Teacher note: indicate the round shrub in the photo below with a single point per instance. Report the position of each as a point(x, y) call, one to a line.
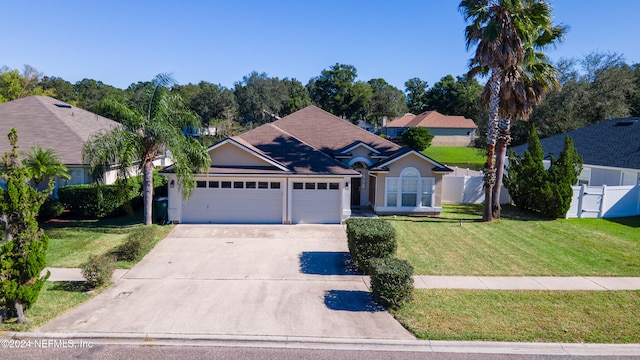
point(98, 269)
point(370, 238)
point(391, 281)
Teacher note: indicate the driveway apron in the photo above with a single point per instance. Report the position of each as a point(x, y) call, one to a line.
point(271, 280)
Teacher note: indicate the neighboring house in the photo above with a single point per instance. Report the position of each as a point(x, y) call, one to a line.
point(50, 123)
point(610, 151)
point(447, 130)
point(308, 167)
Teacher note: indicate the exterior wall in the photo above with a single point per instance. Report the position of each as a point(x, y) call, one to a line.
point(230, 155)
point(395, 169)
point(372, 191)
point(175, 200)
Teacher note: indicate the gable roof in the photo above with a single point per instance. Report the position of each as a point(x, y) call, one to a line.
point(383, 164)
point(49, 123)
point(432, 119)
point(613, 143)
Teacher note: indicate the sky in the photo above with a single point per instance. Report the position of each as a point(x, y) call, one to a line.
point(121, 42)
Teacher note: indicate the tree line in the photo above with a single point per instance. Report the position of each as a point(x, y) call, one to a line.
point(597, 87)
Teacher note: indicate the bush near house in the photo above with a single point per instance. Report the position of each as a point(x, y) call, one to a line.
point(368, 239)
point(391, 281)
point(96, 201)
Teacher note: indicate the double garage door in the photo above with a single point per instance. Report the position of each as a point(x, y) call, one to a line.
point(262, 202)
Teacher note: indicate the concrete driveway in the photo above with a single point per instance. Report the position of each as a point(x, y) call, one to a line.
point(273, 280)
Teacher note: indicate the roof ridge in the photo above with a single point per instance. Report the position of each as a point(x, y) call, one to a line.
point(309, 145)
point(40, 99)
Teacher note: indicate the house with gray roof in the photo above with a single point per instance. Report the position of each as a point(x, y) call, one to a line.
point(610, 150)
point(307, 167)
point(49, 123)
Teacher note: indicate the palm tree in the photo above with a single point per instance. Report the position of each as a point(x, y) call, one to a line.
point(145, 135)
point(44, 163)
point(499, 30)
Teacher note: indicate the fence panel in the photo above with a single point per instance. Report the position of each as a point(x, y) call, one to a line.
point(604, 201)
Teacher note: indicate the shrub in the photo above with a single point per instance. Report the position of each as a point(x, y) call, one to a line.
point(370, 238)
point(391, 281)
point(138, 243)
point(51, 208)
point(97, 201)
point(417, 138)
point(98, 269)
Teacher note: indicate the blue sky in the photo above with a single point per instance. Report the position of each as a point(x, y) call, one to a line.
point(124, 41)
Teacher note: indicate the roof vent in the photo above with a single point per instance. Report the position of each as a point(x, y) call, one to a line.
point(66, 106)
point(626, 122)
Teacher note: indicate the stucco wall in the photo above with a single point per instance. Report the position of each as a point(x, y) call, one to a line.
point(230, 155)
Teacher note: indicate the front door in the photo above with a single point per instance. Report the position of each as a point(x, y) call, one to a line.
point(356, 184)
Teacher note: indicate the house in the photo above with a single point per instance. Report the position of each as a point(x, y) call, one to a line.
point(447, 130)
point(49, 123)
point(610, 151)
point(308, 167)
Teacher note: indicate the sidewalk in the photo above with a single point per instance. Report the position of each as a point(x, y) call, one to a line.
point(454, 282)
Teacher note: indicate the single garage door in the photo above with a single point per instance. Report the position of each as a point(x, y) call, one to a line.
point(316, 202)
point(234, 202)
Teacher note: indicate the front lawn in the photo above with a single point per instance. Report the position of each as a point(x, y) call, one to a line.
point(518, 245)
point(531, 316)
point(461, 156)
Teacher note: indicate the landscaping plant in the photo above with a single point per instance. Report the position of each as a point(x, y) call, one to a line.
point(368, 239)
point(391, 281)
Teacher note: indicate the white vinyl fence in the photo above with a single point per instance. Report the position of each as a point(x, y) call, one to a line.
point(604, 201)
point(467, 190)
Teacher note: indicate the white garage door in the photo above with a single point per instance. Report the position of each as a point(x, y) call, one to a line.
point(234, 202)
point(316, 202)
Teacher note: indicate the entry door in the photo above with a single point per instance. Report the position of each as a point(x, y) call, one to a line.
point(356, 184)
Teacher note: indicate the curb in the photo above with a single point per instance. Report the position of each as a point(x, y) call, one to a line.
point(291, 342)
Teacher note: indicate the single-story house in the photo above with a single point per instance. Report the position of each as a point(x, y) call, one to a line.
point(610, 151)
point(447, 130)
point(308, 167)
point(49, 123)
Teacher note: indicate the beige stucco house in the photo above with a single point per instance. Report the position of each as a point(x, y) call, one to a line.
point(308, 167)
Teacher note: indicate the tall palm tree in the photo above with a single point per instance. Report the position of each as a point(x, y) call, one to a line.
point(44, 164)
point(499, 30)
point(146, 134)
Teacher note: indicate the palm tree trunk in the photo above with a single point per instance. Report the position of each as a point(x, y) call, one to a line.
point(492, 125)
point(147, 191)
point(504, 139)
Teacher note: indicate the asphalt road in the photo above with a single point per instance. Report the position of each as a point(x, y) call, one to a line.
point(100, 351)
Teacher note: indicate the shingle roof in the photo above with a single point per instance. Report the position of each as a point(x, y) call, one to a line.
point(614, 143)
point(40, 122)
point(432, 119)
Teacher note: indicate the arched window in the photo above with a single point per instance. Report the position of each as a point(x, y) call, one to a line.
point(409, 190)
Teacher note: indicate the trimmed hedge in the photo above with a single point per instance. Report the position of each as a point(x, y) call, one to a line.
point(391, 281)
point(370, 238)
point(138, 243)
point(51, 208)
point(97, 201)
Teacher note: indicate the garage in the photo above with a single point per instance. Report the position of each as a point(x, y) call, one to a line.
point(316, 202)
point(235, 202)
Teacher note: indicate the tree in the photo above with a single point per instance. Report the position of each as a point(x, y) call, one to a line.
point(298, 96)
point(23, 249)
point(44, 164)
point(90, 92)
point(15, 85)
point(547, 192)
point(337, 92)
point(260, 98)
point(417, 138)
point(416, 90)
point(147, 134)
point(386, 101)
point(61, 89)
point(506, 35)
point(210, 101)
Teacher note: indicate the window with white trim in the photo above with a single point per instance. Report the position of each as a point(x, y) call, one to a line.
point(409, 190)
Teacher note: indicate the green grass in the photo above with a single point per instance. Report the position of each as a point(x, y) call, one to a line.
point(72, 242)
point(461, 156)
point(518, 245)
point(54, 299)
point(529, 316)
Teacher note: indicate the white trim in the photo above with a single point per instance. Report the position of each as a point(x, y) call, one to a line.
point(399, 180)
point(359, 144)
point(360, 159)
point(251, 151)
point(428, 159)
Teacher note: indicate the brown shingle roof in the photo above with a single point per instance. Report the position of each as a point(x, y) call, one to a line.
point(40, 122)
point(433, 119)
point(329, 133)
point(293, 153)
